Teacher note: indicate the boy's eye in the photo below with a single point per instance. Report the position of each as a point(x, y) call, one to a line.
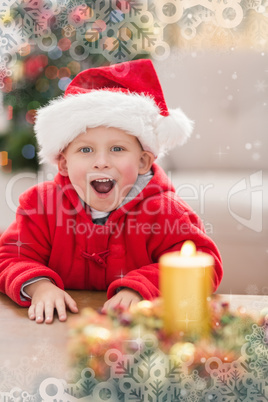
point(86, 150)
point(117, 149)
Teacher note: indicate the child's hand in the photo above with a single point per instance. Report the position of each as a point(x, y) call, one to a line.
point(125, 298)
point(45, 298)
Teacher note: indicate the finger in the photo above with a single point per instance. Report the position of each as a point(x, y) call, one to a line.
point(106, 306)
point(61, 309)
point(134, 302)
point(39, 312)
point(129, 301)
point(31, 312)
point(103, 309)
point(49, 312)
point(125, 303)
point(70, 303)
point(111, 304)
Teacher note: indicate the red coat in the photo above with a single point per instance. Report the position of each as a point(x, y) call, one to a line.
point(54, 236)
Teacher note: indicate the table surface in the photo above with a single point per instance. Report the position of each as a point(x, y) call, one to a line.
point(31, 352)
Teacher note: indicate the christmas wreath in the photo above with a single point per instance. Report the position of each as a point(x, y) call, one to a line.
point(130, 350)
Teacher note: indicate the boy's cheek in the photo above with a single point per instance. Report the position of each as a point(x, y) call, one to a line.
point(130, 173)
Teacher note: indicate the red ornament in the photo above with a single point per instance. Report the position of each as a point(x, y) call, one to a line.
point(123, 5)
point(64, 44)
point(35, 65)
point(64, 72)
point(30, 116)
point(7, 84)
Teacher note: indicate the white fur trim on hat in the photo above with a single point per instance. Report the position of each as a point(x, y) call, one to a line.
point(64, 119)
point(173, 130)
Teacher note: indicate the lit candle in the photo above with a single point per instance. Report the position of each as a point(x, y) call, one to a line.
point(185, 285)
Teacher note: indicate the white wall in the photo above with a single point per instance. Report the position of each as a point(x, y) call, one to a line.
point(226, 94)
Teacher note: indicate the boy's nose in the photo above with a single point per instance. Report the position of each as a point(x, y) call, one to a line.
point(101, 161)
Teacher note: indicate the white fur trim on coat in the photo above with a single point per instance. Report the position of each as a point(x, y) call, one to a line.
point(64, 119)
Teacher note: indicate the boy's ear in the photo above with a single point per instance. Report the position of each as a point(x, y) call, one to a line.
point(146, 160)
point(62, 165)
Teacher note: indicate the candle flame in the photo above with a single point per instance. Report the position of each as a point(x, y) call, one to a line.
point(188, 249)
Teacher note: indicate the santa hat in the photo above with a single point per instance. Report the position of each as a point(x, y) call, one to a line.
point(127, 96)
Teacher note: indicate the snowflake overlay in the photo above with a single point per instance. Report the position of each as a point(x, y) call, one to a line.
point(150, 375)
point(119, 29)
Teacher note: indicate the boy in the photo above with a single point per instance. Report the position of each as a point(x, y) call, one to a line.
point(110, 212)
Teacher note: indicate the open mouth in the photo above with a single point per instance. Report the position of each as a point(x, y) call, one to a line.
point(103, 186)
